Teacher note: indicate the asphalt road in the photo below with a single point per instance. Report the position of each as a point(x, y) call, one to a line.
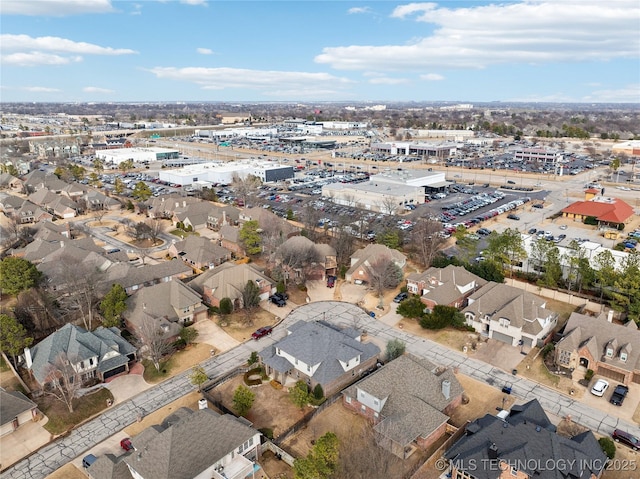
point(55, 455)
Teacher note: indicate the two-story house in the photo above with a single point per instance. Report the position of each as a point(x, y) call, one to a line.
point(299, 257)
point(100, 354)
point(609, 349)
point(362, 260)
point(510, 315)
point(318, 353)
point(200, 253)
point(449, 286)
point(408, 401)
point(188, 444)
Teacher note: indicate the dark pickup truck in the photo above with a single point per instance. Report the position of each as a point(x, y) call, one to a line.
point(617, 398)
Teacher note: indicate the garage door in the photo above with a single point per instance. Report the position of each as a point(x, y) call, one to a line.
point(636, 378)
point(527, 341)
point(608, 373)
point(115, 371)
point(505, 338)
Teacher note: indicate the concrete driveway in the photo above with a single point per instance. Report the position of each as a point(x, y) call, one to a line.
point(499, 354)
point(625, 411)
point(212, 334)
point(392, 318)
point(29, 437)
point(126, 386)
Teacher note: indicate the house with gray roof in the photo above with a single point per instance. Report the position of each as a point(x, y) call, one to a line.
point(230, 239)
point(198, 252)
point(100, 354)
point(316, 260)
point(31, 213)
point(318, 353)
point(10, 203)
point(523, 446)
point(222, 215)
point(194, 215)
point(228, 281)
point(16, 409)
point(195, 444)
point(408, 401)
point(362, 260)
point(170, 304)
point(510, 315)
point(10, 182)
point(610, 349)
point(108, 466)
point(133, 278)
point(448, 286)
point(165, 206)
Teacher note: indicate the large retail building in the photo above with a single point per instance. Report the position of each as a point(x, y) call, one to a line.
point(223, 173)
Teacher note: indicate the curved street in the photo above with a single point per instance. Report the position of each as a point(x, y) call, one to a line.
point(58, 453)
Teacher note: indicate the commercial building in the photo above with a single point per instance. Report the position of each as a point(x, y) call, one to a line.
point(543, 155)
point(223, 173)
point(137, 155)
point(419, 149)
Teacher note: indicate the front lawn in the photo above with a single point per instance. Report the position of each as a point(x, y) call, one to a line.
point(176, 362)
point(61, 420)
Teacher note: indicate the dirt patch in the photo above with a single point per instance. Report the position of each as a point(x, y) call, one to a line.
point(190, 401)
point(271, 409)
point(236, 326)
point(483, 399)
point(68, 471)
point(178, 362)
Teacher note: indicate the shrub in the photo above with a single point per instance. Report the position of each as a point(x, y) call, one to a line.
point(266, 432)
point(608, 447)
point(253, 358)
point(179, 344)
point(280, 287)
point(590, 220)
point(253, 372)
point(588, 375)
point(547, 349)
point(318, 393)
point(275, 384)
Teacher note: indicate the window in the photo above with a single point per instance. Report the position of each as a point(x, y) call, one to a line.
point(308, 368)
point(504, 322)
point(375, 414)
point(376, 402)
point(609, 352)
point(348, 399)
point(623, 356)
point(363, 408)
point(564, 357)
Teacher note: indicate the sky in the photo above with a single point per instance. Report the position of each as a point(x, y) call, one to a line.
point(585, 51)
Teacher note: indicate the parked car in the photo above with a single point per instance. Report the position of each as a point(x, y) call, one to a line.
point(599, 387)
point(88, 460)
point(513, 217)
point(538, 205)
point(278, 301)
point(331, 281)
point(262, 332)
point(563, 227)
point(619, 393)
point(625, 438)
point(511, 182)
point(533, 231)
point(126, 444)
point(400, 297)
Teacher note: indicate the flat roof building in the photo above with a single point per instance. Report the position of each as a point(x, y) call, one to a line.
point(223, 173)
point(137, 155)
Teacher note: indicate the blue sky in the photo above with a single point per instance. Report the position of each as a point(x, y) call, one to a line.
point(304, 50)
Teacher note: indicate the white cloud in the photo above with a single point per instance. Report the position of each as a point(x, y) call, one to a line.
point(41, 89)
point(357, 10)
point(388, 81)
point(37, 58)
point(260, 80)
point(55, 8)
point(194, 2)
point(531, 32)
point(432, 77)
point(628, 94)
point(204, 51)
point(95, 89)
point(57, 44)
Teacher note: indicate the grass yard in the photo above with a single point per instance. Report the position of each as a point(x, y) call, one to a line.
point(236, 325)
point(176, 363)
point(563, 309)
point(483, 399)
point(61, 420)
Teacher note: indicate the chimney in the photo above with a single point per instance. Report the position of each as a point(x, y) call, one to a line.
point(61, 244)
point(446, 388)
point(610, 316)
point(493, 451)
point(224, 217)
point(27, 358)
point(184, 203)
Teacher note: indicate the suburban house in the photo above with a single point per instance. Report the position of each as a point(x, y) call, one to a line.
point(16, 409)
point(449, 286)
point(133, 278)
point(522, 445)
point(193, 215)
point(408, 400)
point(326, 263)
point(199, 252)
point(362, 260)
point(230, 239)
point(9, 204)
point(510, 315)
point(318, 353)
point(99, 354)
point(606, 210)
point(31, 213)
point(97, 201)
point(170, 304)
point(228, 281)
point(187, 444)
point(222, 215)
point(10, 182)
point(165, 206)
point(609, 349)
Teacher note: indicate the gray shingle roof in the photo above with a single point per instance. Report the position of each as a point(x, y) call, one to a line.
point(109, 466)
point(12, 404)
point(317, 343)
point(371, 253)
point(79, 345)
point(444, 284)
point(527, 446)
point(228, 280)
point(187, 446)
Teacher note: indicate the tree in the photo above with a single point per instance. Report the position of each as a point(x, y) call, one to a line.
point(141, 191)
point(388, 205)
point(18, 274)
point(412, 307)
point(250, 237)
point(13, 337)
point(225, 308)
point(608, 446)
point(441, 317)
point(310, 218)
point(552, 269)
point(299, 394)
point(356, 460)
point(506, 248)
point(626, 290)
point(98, 165)
point(605, 271)
point(245, 188)
point(325, 454)
point(198, 376)
point(250, 299)
point(318, 393)
point(118, 186)
point(539, 252)
point(125, 166)
point(189, 335)
point(63, 381)
point(390, 237)
point(152, 341)
point(466, 244)
point(243, 399)
point(297, 255)
point(113, 305)
point(395, 348)
point(426, 240)
point(155, 229)
point(384, 274)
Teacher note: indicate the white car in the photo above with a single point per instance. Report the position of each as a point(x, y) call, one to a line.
point(599, 387)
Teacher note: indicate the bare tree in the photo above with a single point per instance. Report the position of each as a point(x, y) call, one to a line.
point(99, 213)
point(155, 228)
point(426, 240)
point(388, 205)
point(152, 340)
point(344, 244)
point(310, 218)
point(384, 274)
point(37, 312)
point(298, 256)
point(245, 188)
point(63, 381)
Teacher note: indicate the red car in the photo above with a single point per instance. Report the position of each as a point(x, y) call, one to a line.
point(264, 331)
point(126, 444)
point(331, 281)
